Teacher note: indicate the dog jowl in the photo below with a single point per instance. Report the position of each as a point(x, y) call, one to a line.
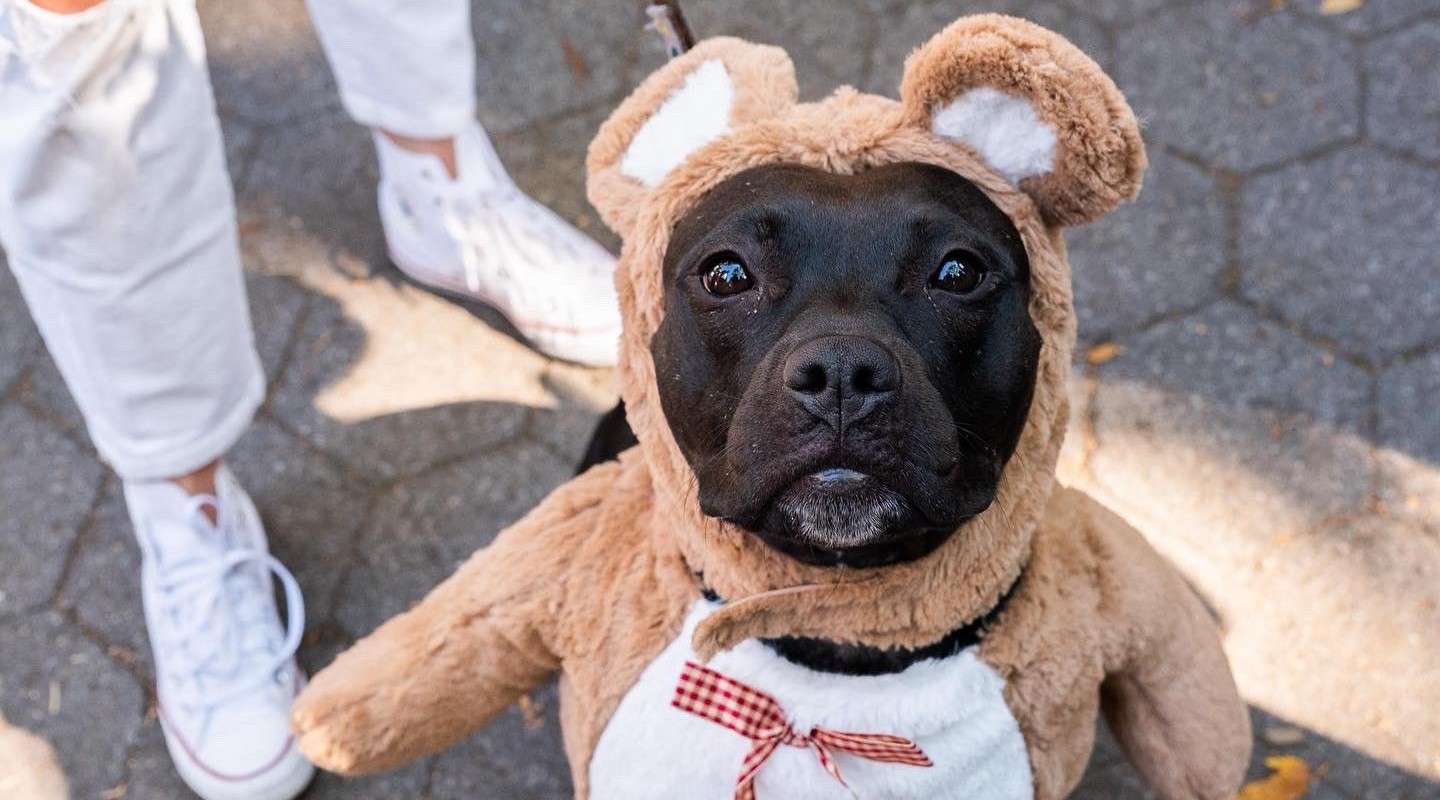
point(846, 361)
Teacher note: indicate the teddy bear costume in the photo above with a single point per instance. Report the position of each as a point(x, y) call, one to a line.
point(618, 582)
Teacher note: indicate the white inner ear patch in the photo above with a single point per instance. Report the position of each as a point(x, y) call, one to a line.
point(693, 115)
point(1002, 128)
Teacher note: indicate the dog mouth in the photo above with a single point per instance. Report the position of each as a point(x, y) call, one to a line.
point(837, 508)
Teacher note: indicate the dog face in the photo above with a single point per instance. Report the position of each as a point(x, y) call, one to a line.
point(846, 362)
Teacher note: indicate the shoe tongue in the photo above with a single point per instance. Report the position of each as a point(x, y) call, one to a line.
point(176, 533)
point(476, 164)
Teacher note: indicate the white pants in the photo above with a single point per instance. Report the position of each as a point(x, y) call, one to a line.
point(117, 216)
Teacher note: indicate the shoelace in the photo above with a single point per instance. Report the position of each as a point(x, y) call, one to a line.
point(202, 597)
point(476, 223)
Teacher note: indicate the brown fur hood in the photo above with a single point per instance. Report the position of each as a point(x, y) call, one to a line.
point(1091, 161)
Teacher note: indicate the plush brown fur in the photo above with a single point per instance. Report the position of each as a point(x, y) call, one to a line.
point(595, 582)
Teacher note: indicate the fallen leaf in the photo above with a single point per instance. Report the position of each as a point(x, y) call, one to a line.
point(534, 720)
point(1329, 7)
point(575, 61)
point(1289, 780)
point(1101, 353)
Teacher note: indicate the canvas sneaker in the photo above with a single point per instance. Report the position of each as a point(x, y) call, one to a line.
point(225, 668)
point(479, 237)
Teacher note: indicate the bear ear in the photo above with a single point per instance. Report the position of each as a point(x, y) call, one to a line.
point(1034, 107)
point(719, 85)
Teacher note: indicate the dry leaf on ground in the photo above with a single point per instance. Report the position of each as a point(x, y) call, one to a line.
point(1340, 6)
point(1101, 353)
point(1289, 780)
point(530, 712)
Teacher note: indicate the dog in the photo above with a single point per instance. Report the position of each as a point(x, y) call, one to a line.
point(838, 546)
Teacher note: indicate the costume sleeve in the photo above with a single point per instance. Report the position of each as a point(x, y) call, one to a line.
point(475, 644)
point(1168, 696)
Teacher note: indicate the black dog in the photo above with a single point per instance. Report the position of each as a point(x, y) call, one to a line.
point(846, 361)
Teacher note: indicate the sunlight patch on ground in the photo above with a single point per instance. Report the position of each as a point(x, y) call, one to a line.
point(1331, 608)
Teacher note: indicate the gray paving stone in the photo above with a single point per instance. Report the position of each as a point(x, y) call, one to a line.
point(1163, 253)
point(540, 58)
point(312, 512)
point(1119, 13)
point(1347, 247)
point(309, 199)
point(1358, 597)
point(1348, 772)
point(1113, 782)
point(405, 782)
point(391, 401)
point(1372, 16)
point(18, 337)
point(102, 587)
point(43, 391)
point(275, 307)
point(825, 39)
point(1403, 107)
point(60, 685)
point(47, 486)
point(424, 528)
point(151, 773)
point(265, 62)
point(240, 142)
point(1108, 777)
point(1410, 440)
point(580, 396)
point(914, 24)
point(517, 757)
point(1234, 445)
point(1230, 430)
point(1238, 91)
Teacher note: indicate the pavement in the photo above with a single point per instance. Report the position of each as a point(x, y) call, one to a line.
point(1254, 389)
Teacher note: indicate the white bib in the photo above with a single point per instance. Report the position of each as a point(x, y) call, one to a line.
point(953, 708)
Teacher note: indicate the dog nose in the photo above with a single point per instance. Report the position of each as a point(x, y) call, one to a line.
point(839, 378)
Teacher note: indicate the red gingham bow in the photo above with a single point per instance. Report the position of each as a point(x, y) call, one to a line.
point(757, 716)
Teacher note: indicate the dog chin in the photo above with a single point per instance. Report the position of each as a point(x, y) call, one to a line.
point(838, 509)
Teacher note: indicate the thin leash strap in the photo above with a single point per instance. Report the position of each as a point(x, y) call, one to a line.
point(668, 20)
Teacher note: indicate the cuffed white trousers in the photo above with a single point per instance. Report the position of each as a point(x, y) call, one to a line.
point(116, 211)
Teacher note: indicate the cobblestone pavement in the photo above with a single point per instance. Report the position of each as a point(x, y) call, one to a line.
point(1260, 354)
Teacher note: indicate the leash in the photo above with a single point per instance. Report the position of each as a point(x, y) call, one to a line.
point(668, 21)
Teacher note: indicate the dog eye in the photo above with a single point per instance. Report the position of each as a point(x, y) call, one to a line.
point(959, 272)
point(726, 276)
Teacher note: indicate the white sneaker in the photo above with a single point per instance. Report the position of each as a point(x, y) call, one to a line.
point(225, 669)
point(480, 237)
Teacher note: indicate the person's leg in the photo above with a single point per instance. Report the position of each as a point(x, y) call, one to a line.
point(117, 219)
point(453, 219)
